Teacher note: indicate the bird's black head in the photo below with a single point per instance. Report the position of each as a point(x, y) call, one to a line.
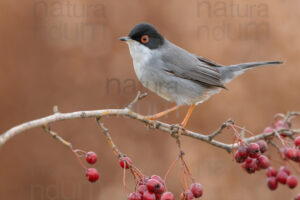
point(145, 34)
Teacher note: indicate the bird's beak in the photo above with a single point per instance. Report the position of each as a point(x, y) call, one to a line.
point(126, 38)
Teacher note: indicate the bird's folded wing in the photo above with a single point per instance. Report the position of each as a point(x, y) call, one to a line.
point(197, 69)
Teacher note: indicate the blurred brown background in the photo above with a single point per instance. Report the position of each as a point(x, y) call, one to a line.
point(64, 52)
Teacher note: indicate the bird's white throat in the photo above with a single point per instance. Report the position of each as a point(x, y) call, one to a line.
point(140, 55)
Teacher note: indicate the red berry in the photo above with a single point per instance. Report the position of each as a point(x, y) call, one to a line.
point(262, 146)
point(263, 162)
point(292, 181)
point(238, 158)
point(281, 177)
point(196, 189)
point(271, 172)
point(92, 174)
point(142, 189)
point(153, 185)
point(125, 162)
point(291, 154)
point(167, 196)
point(268, 129)
point(241, 154)
point(149, 196)
point(297, 141)
point(285, 169)
point(297, 197)
point(91, 157)
point(250, 165)
point(135, 196)
point(253, 150)
point(272, 183)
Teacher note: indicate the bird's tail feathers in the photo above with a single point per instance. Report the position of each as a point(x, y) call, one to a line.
point(232, 71)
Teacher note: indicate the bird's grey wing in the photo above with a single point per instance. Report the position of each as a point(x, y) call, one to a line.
point(180, 63)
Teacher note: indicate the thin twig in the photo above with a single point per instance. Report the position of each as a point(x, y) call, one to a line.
point(288, 117)
point(108, 138)
point(55, 109)
point(138, 97)
point(220, 129)
point(66, 143)
point(56, 136)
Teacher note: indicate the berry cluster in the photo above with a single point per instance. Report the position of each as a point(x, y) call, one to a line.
point(90, 157)
point(91, 173)
point(251, 157)
point(283, 176)
point(152, 188)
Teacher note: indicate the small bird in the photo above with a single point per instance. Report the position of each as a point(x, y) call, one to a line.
point(176, 74)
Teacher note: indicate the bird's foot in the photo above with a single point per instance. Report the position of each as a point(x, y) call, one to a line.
point(176, 130)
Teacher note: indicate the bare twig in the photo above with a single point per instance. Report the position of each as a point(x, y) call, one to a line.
point(108, 137)
point(138, 97)
point(288, 117)
point(55, 109)
point(56, 136)
point(126, 112)
point(220, 129)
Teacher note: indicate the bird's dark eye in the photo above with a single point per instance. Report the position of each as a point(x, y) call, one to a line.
point(145, 39)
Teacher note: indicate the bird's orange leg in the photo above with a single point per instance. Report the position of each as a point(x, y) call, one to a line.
point(160, 114)
point(186, 119)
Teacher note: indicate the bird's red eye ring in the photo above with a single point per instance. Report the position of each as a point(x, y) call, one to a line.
point(145, 39)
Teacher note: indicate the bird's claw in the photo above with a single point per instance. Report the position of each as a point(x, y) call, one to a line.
point(176, 130)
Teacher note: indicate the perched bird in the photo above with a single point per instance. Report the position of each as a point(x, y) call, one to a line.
point(176, 74)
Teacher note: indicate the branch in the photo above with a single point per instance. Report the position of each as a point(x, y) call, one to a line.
point(127, 112)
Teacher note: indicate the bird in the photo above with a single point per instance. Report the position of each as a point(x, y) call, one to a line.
point(174, 73)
